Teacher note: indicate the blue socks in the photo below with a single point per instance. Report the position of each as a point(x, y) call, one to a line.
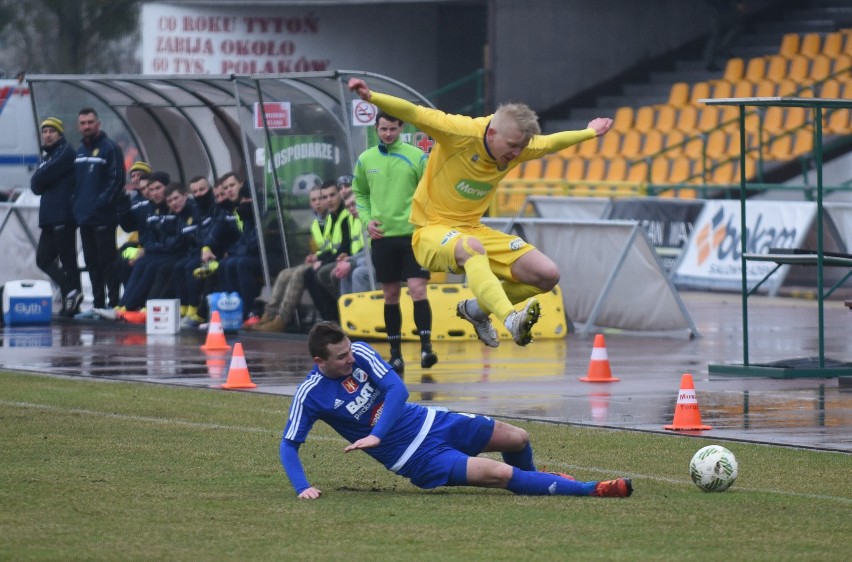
point(522, 459)
point(526, 483)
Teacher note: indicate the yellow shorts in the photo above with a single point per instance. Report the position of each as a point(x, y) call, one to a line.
point(434, 247)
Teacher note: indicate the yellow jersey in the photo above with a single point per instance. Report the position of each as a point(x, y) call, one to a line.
point(461, 178)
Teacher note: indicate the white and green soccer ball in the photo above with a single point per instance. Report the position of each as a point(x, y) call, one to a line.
point(714, 468)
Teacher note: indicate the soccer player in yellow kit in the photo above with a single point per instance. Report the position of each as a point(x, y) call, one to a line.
point(470, 158)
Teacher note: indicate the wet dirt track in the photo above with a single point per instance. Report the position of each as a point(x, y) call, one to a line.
point(537, 382)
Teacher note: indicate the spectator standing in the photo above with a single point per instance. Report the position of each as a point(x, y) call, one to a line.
point(53, 180)
point(98, 196)
point(464, 168)
point(385, 179)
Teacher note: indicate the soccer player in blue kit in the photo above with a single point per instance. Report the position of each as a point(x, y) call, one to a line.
point(360, 396)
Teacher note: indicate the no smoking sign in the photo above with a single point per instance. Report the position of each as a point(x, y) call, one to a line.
point(363, 113)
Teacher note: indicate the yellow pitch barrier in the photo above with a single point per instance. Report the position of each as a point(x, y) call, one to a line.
point(362, 315)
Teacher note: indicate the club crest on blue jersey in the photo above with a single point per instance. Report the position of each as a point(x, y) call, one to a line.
point(359, 375)
point(350, 384)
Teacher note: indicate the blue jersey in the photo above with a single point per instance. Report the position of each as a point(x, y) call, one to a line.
point(372, 400)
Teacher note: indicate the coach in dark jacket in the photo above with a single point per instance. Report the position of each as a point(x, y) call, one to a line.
point(53, 180)
point(98, 196)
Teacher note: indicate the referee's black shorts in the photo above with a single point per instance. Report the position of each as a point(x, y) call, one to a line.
point(393, 260)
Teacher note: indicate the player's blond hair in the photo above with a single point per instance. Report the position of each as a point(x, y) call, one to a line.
point(519, 113)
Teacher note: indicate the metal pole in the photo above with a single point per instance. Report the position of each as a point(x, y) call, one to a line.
point(743, 245)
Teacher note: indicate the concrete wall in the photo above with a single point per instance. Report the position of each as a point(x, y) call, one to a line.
point(548, 50)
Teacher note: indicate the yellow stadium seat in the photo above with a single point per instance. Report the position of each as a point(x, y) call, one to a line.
point(789, 45)
point(830, 89)
point(638, 171)
point(743, 88)
point(804, 142)
point(729, 117)
point(532, 169)
point(687, 118)
point(773, 120)
point(795, 117)
point(765, 89)
point(717, 143)
point(514, 173)
point(623, 119)
point(811, 44)
point(700, 91)
point(575, 169)
point(673, 141)
point(644, 119)
point(755, 69)
point(653, 142)
point(776, 68)
point(681, 169)
point(838, 122)
point(734, 70)
point(589, 147)
point(631, 145)
point(709, 117)
point(554, 167)
point(568, 152)
point(799, 68)
point(833, 44)
point(842, 66)
point(778, 147)
point(724, 174)
point(660, 170)
point(820, 67)
point(722, 89)
point(787, 88)
point(666, 116)
point(610, 144)
point(679, 95)
point(694, 147)
point(617, 169)
point(596, 168)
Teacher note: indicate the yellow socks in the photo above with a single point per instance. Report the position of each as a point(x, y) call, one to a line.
point(519, 292)
point(486, 287)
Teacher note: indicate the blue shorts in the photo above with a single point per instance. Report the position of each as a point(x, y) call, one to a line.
point(453, 438)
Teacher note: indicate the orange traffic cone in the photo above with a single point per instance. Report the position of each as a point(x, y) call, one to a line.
point(687, 417)
point(215, 335)
point(599, 370)
point(238, 375)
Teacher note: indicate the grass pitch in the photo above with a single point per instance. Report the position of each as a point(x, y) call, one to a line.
point(104, 470)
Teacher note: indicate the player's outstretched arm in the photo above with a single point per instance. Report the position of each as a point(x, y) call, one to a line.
point(600, 125)
point(360, 87)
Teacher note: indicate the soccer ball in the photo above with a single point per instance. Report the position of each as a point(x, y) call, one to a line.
point(303, 183)
point(714, 468)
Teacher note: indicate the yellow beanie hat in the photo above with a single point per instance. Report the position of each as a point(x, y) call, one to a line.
point(55, 123)
point(140, 166)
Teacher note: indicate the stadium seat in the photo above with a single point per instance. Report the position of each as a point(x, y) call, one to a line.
point(617, 169)
point(743, 88)
point(776, 68)
point(660, 170)
point(681, 169)
point(832, 45)
point(773, 119)
point(687, 118)
point(755, 69)
point(830, 89)
point(653, 142)
point(674, 142)
point(811, 44)
point(778, 147)
point(804, 141)
point(610, 144)
point(575, 169)
point(789, 45)
point(700, 90)
point(679, 95)
point(666, 117)
point(717, 143)
point(795, 117)
point(709, 118)
point(596, 168)
point(638, 171)
point(532, 169)
point(820, 68)
point(765, 89)
point(734, 70)
point(799, 68)
point(787, 88)
point(554, 167)
point(723, 173)
point(644, 119)
point(589, 148)
point(722, 89)
point(631, 146)
point(569, 152)
point(623, 119)
point(837, 122)
point(694, 147)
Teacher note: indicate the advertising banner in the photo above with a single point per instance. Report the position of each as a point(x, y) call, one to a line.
point(712, 257)
point(301, 161)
